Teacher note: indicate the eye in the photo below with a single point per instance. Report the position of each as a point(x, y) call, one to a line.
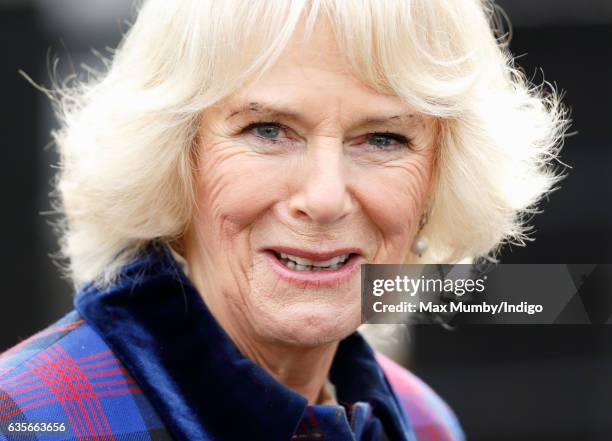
point(269, 131)
point(269, 136)
point(387, 141)
point(266, 130)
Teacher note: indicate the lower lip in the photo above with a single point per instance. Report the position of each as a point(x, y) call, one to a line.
point(316, 277)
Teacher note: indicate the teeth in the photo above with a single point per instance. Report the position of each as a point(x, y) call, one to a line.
point(302, 264)
point(308, 262)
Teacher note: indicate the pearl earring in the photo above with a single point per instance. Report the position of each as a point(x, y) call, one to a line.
point(420, 244)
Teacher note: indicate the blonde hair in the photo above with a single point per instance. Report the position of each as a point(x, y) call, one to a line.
point(127, 136)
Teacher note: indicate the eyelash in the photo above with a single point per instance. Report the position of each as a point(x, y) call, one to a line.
point(394, 136)
point(401, 139)
point(254, 124)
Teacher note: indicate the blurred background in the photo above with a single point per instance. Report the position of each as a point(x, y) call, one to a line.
point(505, 382)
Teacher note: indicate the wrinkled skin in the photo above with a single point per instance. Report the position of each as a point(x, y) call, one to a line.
point(312, 175)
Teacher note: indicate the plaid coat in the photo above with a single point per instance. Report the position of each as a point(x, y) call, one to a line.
point(145, 360)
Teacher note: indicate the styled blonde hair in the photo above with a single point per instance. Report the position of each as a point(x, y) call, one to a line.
point(127, 136)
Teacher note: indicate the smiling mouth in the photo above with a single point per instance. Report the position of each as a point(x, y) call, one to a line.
point(316, 268)
point(298, 263)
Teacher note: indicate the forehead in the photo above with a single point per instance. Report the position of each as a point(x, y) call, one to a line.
point(313, 73)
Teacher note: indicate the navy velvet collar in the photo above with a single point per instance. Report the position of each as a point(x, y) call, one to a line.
point(203, 387)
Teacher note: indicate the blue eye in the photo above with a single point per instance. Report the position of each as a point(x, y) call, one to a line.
point(269, 131)
point(269, 136)
point(387, 140)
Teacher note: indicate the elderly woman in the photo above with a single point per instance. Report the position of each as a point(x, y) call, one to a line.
point(223, 182)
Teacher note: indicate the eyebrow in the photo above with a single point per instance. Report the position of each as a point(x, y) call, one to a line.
point(255, 107)
point(280, 112)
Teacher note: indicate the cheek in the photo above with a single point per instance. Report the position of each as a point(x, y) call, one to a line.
point(393, 197)
point(234, 188)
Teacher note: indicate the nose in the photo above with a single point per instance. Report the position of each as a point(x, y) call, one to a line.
point(322, 195)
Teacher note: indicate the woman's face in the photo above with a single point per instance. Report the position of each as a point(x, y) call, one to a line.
point(303, 175)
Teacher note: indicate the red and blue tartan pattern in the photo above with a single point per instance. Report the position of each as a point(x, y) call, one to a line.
point(429, 415)
point(67, 374)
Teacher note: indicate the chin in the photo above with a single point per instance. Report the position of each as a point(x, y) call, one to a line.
point(312, 329)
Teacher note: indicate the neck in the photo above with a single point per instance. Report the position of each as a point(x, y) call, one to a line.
point(304, 370)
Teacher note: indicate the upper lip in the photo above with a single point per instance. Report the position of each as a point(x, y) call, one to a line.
point(315, 256)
